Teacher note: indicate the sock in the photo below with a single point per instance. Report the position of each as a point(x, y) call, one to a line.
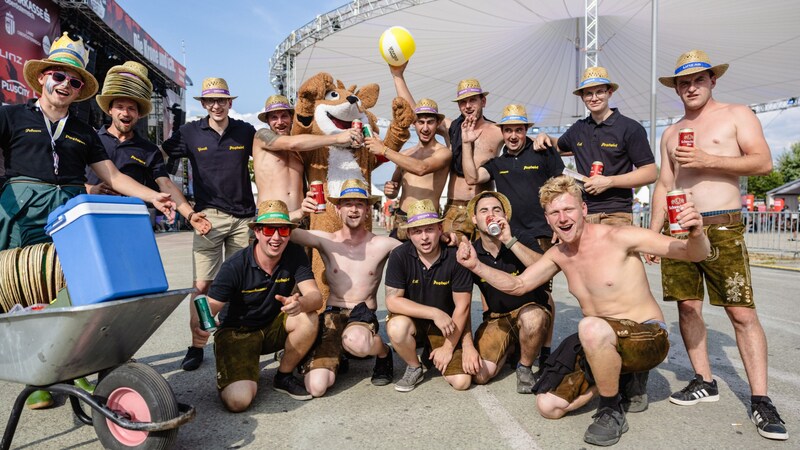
point(611, 402)
point(759, 398)
point(544, 352)
point(282, 375)
point(519, 364)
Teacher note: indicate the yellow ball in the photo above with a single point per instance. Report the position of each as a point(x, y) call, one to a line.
point(396, 45)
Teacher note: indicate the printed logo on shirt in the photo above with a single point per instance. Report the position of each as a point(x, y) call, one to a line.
point(579, 144)
point(139, 160)
point(202, 149)
point(251, 291)
point(503, 172)
point(236, 147)
point(71, 138)
point(283, 280)
point(609, 144)
point(530, 167)
point(32, 130)
point(414, 281)
point(441, 283)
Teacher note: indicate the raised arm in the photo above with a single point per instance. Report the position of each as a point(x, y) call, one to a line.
point(695, 248)
point(266, 140)
point(472, 174)
point(419, 167)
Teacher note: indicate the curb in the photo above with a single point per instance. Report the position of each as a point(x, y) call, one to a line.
point(771, 266)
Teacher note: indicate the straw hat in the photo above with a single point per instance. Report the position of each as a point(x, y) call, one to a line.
point(67, 54)
point(594, 76)
point(468, 88)
point(428, 106)
point(272, 212)
point(127, 81)
point(502, 198)
point(354, 188)
point(215, 88)
point(514, 115)
point(275, 103)
point(422, 212)
point(691, 62)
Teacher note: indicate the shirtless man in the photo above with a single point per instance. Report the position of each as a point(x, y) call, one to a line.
point(606, 275)
point(421, 170)
point(728, 144)
point(354, 260)
point(471, 101)
point(277, 165)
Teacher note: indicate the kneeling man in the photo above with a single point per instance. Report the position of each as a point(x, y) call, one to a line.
point(623, 329)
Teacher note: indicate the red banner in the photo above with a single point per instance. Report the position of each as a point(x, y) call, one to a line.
point(29, 26)
point(130, 31)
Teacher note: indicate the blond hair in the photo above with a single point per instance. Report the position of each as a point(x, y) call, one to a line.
point(556, 186)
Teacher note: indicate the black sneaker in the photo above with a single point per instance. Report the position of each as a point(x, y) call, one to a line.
point(193, 359)
point(697, 391)
point(768, 421)
point(607, 428)
point(383, 373)
point(633, 389)
point(290, 386)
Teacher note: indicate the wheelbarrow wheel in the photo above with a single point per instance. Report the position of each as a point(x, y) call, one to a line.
point(139, 393)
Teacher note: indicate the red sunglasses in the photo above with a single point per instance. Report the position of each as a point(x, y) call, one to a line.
point(268, 231)
point(59, 78)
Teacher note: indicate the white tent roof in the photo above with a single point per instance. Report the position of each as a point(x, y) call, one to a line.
point(524, 51)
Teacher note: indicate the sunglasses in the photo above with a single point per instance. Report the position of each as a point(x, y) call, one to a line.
point(268, 231)
point(213, 101)
point(59, 78)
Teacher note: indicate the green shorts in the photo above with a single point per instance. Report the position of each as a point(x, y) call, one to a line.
point(426, 333)
point(328, 348)
point(726, 272)
point(238, 350)
point(499, 331)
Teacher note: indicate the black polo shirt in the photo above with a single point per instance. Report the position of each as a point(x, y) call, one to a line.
point(430, 287)
point(27, 150)
point(219, 164)
point(620, 143)
point(519, 178)
point(506, 261)
point(250, 292)
point(136, 157)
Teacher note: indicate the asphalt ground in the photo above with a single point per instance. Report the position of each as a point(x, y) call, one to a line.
point(355, 414)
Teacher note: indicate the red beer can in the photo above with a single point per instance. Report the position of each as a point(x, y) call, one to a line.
point(675, 199)
point(597, 168)
point(358, 124)
point(319, 195)
point(492, 226)
point(686, 137)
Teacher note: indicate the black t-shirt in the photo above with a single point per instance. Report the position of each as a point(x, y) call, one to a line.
point(219, 164)
point(519, 178)
point(620, 143)
point(430, 287)
point(506, 261)
point(28, 152)
point(137, 158)
point(250, 292)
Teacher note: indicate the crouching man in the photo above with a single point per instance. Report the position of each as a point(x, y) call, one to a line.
point(623, 329)
point(263, 316)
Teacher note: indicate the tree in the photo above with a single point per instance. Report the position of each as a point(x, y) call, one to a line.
point(787, 168)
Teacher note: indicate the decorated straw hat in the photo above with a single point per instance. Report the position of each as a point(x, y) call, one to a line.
point(428, 106)
point(354, 188)
point(468, 88)
point(421, 212)
point(66, 54)
point(514, 115)
point(272, 212)
point(130, 81)
point(594, 76)
point(502, 198)
point(215, 88)
point(275, 103)
point(691, 62)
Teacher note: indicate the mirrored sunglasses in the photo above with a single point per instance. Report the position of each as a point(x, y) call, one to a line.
point(269, 231)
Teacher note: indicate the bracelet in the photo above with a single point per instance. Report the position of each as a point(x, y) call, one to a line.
point(511, 242)
point(189, 217)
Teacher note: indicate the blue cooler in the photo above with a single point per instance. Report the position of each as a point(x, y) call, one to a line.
point(107, 248)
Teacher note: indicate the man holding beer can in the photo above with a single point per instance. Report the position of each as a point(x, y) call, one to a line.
point(727, 143)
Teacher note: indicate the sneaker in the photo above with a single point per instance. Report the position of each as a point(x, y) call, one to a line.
point(607, 428)
point(193, 359)
point(383, 373)
point(290, 386)
point(697, 391)
point(525, 380)
point(410, 380)
point(768, 421)
point(39, 400)
point(634, 392)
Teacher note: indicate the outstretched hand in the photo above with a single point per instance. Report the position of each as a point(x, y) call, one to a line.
point(466, 254)
point(291, 304)
point(468, 132)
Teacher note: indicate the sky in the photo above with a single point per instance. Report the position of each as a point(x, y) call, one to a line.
point(235, 39)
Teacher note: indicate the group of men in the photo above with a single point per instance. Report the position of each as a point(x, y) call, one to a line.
point(264, 290)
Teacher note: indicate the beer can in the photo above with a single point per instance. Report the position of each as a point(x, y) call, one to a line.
point(367, 131)
point(359, 125)
point(319, 195)
point(675, 199)
point(597, 168)
point(492, 226)
point(207, 322)
point(686, 137)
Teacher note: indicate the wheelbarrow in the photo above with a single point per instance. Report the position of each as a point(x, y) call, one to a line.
point(132, 405)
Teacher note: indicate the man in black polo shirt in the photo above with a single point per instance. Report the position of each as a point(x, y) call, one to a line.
point(619, 142)
point(523, 320)
point(126, 98)
point(219, 148)
point(263, 316)
point(428, 295)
